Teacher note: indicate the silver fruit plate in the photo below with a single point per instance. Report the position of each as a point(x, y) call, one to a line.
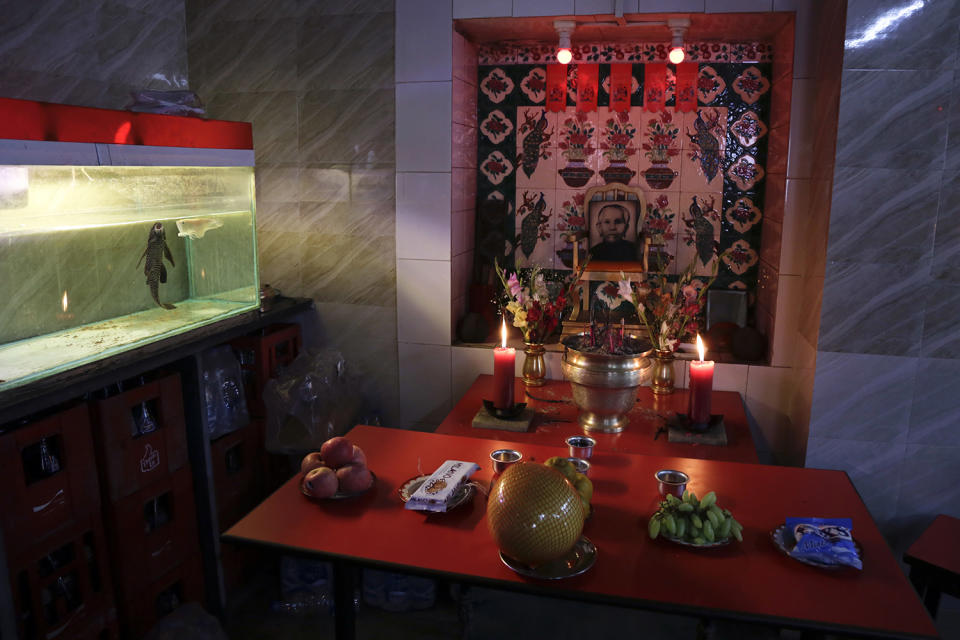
point(340, 495)
point(460, 496)
point(705, 545)
point(578, 560)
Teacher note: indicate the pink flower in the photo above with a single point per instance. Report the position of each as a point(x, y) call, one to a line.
point(516, 290)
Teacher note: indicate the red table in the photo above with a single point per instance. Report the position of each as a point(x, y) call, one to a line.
point(751, 580)
point(934, 561)
point(556, 419)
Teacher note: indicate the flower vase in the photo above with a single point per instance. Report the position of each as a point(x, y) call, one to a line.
point(659, 175)
point(576, 173)
point(618, 171)
point(661, 382)
point(534, 367)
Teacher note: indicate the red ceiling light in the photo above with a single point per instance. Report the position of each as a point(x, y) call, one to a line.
point(564, 29)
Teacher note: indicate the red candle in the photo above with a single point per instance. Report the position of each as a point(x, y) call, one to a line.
point(701, 386)
point(504, 361)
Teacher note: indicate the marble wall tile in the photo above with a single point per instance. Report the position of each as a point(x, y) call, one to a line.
point(49, 36)
point(865, 311)
point(906, 133)
point(249, 55)
point(280, 216)
point(350, 51)
point(325, 183)
point(883, 215)
point(367, 338)
point(76, 90)
point(349, 219)
point(373, 185)
point(738, 6)
point(422, 143)
point(542, 8)
point(277, 183)
point(808, 323)
point(307, 8)
point(202, 14)
point(279, 260)
point(936, 404)
point(468, 363)
point(424, 383)
point(273, 115)
point(946, 242)
point(930, 483)
point(862, 397)
point(145, 49)
point(952, 163)
point(352, 269)
point(913, 35)
point(424, 41)
point(873, 467)
point(941, 338)
point(347, 126)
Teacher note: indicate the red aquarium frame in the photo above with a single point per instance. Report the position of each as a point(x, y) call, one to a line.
point(30, 120)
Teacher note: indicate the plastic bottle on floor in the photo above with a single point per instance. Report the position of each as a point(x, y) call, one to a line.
point(397, 593)
point(374, 587)
point(423, 592)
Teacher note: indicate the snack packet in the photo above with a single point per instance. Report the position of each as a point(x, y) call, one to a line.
point(437, 490)
point(824, 540)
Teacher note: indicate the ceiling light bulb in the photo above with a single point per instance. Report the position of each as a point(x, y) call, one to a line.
point(564, 56)
point(676, 55)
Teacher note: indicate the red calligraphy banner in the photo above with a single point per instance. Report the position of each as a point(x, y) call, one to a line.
point(686, 91)
point(621, 85)
point(588, 78)
point(654, 86)
point(556, 87)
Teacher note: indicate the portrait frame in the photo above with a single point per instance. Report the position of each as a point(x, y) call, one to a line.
point(631, 209)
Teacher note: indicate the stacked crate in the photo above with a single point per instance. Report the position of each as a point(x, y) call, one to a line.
point(148, 503)
point(50, 514)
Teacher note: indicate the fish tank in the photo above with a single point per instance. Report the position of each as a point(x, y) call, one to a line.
point(97, 260)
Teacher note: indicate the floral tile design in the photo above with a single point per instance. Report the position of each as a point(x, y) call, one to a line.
point(750, 85)
point(496, 167)
point(745, 172)
point(497, 85)
point(710, 85)
point(751, 52)
point(734, 52)
point(534, 85)
point(496, 126)
point(743, 214)
point(740, 257)
point(748, 129)
point(577, 135)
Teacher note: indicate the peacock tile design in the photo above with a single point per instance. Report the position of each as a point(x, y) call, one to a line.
point(704, 140)
point(699, 230)
point(535, 227)
point(536, 144)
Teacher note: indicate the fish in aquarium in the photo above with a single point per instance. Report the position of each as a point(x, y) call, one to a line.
point(196, 227)
point(154, 268)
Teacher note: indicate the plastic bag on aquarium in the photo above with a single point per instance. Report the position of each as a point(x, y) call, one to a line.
point(314, 399)
point(224, 402)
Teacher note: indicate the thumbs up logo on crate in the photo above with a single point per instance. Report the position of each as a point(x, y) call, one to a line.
point(150, 459)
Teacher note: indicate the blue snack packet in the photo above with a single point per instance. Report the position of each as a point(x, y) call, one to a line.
point(824, 541)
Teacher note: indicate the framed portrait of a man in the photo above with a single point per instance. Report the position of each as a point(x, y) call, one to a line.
point(614, 230)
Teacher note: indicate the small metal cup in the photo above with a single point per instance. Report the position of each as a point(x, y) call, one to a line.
point(671, 481)
point(503, 458)
point(580, 465)
point(581, 446)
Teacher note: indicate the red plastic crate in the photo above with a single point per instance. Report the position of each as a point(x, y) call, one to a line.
point(140, 610)
point(62, 588)
point(261, 355)
point(130, 461)
point(274, 469)
point(239, 563)
point(36, 503)
point(236, 459)
point(152, 530)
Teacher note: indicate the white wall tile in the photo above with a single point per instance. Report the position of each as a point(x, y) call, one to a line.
point(423, 301)
point(424, 113)
point(424, 383)
point(482, 8)
point(737, 6)
point(424, 40)
point(593, 7)
point(661, 6)
point(542, 7)
point(730, 377)
point(795, 240)
point(769, 397)
point(786, 336)
point(800, 159)
point(423, 216)
point(468, 363)
point(804, 38)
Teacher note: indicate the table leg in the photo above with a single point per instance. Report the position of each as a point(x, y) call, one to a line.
point(344, 620)
point(923, 581)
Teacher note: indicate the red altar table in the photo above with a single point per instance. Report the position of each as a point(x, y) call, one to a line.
point(750, 580)
point(556, 419)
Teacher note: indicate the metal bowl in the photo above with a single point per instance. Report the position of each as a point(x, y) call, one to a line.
point(581, 446)
point(672, 481)
point(604, 386)
point(581, 465)
point(503, 458)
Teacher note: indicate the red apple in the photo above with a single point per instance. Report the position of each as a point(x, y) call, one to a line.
point(311, 461)
point(354, 478)
point(337, 452)
point(321, 482)
point(359, 457)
